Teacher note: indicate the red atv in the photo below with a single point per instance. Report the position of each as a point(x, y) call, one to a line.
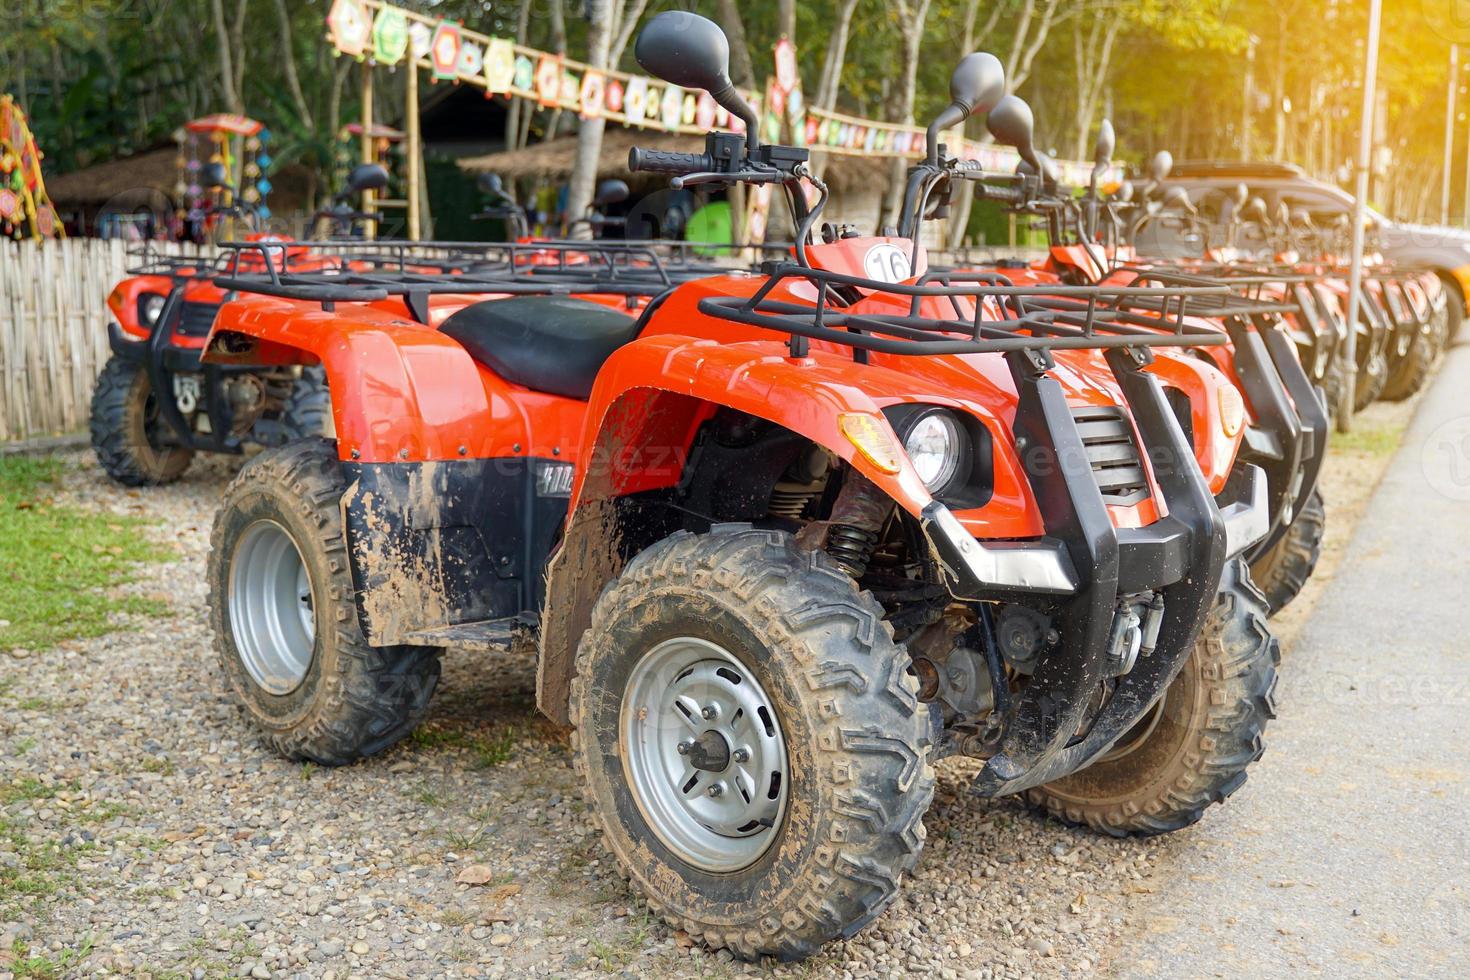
point(156, 403)
point(785, 540)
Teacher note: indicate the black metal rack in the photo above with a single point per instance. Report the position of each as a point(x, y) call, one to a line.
point(1030, 318)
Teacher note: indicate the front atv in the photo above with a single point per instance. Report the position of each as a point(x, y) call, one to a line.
point(785, 539)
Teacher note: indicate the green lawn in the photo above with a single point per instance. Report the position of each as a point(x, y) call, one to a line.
point(58, 563)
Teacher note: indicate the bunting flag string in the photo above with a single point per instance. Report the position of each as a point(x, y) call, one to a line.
point(378, 32)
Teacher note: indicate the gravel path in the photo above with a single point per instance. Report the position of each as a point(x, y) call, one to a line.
point(1348, 854)
point(173, 844)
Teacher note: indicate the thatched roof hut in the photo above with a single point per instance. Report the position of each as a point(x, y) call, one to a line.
point(553, 158)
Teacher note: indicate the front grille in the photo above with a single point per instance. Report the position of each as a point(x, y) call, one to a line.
point(1107, 436)
point(196, 319)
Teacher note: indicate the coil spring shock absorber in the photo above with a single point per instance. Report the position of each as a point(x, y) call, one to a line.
point(857, 517)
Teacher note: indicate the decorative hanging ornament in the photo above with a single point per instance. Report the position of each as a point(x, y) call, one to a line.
point(592, 98)
point(444, 50)
point(525, 74)
point(471, 60)
point(633, 100)
point(672, 107)
point(420, 39)
point(614, 96)
point(787, 75)
point(349, 26)
point(548, 79)
point(704, 112)
point(390, 36)
point(500, 66)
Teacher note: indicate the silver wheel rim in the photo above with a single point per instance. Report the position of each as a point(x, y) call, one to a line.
point(688, 706)
point(271, 615)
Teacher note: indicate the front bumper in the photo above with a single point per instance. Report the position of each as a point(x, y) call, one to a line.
point(1086, 567)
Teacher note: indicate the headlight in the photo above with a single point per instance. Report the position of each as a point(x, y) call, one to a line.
point(149, 306)
point(938, 447)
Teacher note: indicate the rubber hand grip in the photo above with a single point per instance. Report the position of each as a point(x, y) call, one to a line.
point(641, 160)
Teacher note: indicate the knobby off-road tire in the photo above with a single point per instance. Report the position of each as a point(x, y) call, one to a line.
point(307, 413)
point(1207, 732)
point(856, 737)
point(126, 427)
point(1282, 571)
point(1414, 371)
point(354, 700)
point(1370, 382)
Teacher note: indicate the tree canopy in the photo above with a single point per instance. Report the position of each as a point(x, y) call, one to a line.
point(110, 77)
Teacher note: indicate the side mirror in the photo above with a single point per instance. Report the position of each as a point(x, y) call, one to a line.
point(610, 192)
point(1012, 124)
point(691, 51)
point(1302, 217)
point(1255, 209)
point(1124, 193)
point(1241, 194)
point(976, 85)
point(366, 177)
point(1178, 197)
point(1102, 150)
point(215, 175)
point(1160, 165)
point(490, 183)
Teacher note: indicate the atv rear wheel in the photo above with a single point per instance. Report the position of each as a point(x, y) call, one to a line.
point(285, 618)
point(1193, 747)
point(1282, 571)
point(127, 431)
point(1370, 382)
point(751, 740)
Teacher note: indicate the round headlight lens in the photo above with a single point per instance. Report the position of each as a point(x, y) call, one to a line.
point(149, 306)
point(933, 444)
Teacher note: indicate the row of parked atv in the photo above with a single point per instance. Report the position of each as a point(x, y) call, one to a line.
point(785, 536)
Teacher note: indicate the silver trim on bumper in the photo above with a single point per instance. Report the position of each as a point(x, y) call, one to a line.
point(1249, 519)
point(1035, 566)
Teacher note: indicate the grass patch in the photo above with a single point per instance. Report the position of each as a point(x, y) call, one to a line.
point(28, 967)
point(1368, 439)
point(490, 748)
point(57, 562)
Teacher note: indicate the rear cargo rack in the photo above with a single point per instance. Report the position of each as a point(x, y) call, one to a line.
point(371, 271)
point(1020, 318)
point(146, 260)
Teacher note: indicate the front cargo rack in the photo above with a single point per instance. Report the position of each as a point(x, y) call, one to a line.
point(977, 313)
point(147, 260)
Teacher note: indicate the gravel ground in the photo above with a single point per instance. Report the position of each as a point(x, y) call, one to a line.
point(174, 844)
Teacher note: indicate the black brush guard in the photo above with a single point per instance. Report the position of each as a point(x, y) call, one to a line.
point(1085, 562)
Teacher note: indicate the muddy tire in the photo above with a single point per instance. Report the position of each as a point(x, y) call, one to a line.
point(1282, 572)
point(126, 428)
point(285, 619)
point(787, 631)
point(1194, 749)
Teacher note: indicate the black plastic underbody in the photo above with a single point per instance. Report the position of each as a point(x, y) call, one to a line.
point(448, 548)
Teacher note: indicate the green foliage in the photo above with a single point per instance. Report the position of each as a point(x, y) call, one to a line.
point(58, 563)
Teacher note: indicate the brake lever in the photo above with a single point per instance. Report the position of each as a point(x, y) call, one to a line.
point(720, 177)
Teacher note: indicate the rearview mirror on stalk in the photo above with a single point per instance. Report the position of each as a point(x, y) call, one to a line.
point(366, 177)
point(1102, 150)
point(1160, 165)
point(976, 85)
point(215, 176)
point(691, 51)
point(610, 191)
point(1012, 124)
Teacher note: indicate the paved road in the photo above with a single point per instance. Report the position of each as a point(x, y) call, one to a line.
point(1348, 852)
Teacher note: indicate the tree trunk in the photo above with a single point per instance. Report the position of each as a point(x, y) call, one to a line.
point(226, 59)
point(742, 73)
point(831, 81)
point(583, 183)
point(288, 57)
point(514, 108)
point(623, 34)
point(787, 26)
point(911, 21)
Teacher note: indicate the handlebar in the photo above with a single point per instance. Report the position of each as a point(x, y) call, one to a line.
point(642, 160)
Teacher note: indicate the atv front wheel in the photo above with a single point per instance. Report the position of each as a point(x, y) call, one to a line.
point(285, 618)
point(751, 740)
point(127, 431)
point(1370, 382)
point(1412, 373)
point(1192, 748)
point(306, 414)
point(1282, 571)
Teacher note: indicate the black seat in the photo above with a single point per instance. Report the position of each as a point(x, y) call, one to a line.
point(554, 344)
